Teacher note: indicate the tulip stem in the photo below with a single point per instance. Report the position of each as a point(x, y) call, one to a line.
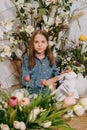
point(27, 86)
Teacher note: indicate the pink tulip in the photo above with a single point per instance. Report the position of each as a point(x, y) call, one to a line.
point(43, 82)
point(69, 100)
point(12, 101)
point(25, 101)
point(27, 78)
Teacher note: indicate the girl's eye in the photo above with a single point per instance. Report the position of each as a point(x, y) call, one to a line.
point(35, 42)
point(43, 41)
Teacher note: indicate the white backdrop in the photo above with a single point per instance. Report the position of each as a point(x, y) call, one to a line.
point(78, 26)
point(7, 10)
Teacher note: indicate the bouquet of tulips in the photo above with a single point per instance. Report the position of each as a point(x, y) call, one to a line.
point(21, 111)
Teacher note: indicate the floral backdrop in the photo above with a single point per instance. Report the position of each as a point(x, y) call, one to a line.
point(51, 15)
point(18, 109)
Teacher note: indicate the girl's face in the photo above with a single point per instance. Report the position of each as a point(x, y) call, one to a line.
point(40, 44)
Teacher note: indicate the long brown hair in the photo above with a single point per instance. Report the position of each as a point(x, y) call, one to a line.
point(48, 51)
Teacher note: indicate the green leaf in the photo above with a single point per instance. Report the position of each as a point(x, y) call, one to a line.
point(13, 115)
point(41, 11)
point(27, 1)
point(42, 117)
point(2, 115)
point(22, 10)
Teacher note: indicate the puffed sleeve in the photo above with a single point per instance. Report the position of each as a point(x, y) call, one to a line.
point(26, 71)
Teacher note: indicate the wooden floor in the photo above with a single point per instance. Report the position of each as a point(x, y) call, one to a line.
point(79, 123)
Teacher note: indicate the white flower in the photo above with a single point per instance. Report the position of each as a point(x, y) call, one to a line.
point(54, 53)
point(48, 2)
point(49, 21)
point(79, 110)
point(29, 29)
point(34, 114)
point(84, 47)
point(57, 20)
point(29, 7)
point(18, 52)
point(6, 51)
point(13, 40)
point(5, 105)
point(4, 127)
point(16, 124)
point(51, 43)
point(46, 28)
point(7, 25)
point(21, 29)
point(47, 124)
point(83, 101)
point(68, 59)
point(22, 126)
point(1, 34)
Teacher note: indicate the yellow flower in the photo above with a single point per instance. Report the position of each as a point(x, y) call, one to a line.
point(82, 38)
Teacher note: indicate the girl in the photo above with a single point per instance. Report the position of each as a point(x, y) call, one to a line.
point(39, 65)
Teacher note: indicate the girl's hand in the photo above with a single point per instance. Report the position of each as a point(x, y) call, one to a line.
point(52, 81)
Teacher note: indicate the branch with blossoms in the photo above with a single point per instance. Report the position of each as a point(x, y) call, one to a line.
point(43, 14)
point(75, 57)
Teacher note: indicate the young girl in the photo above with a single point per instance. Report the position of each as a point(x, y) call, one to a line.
point(39, 65)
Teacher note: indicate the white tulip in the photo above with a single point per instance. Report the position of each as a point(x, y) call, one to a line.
point(83, 101)
point(16, 124)
point(47, 124)
point(34, 114)
point(5, 127)
point(22, 126)
point(79, 110)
